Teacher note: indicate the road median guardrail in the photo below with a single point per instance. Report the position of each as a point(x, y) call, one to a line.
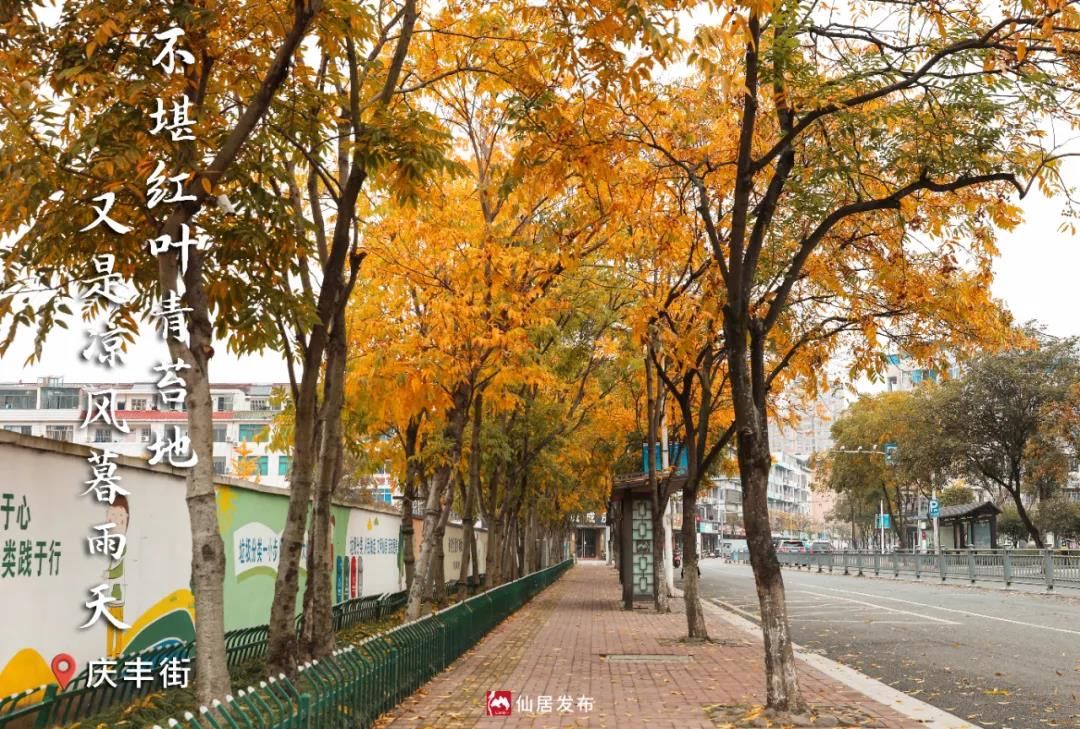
point(1046, 567)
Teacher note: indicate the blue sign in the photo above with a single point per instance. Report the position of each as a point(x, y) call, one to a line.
point(884, 521)
point(676, 457)
point(935, 509)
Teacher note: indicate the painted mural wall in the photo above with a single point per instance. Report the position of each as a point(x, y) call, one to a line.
point(46, 570)
point(453, 547)
point(44, 598)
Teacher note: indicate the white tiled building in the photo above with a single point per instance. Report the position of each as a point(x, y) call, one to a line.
point(789, 493)
point(903, 373)
point(810, 431)
point(242, 415)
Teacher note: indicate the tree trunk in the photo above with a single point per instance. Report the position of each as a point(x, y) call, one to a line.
point(422, 573)
point(895, 516)
point(491, 559)
point(528, 545)
point(281, 648)
point(1026, 518)
point(408, 554)
point(468, 558)
point(755, 462)
point(469, 562)
point(475, 561)
point(469, 491)
point(318, 638)
point(438, 567)
point(511, 551)
point(467, 537)
point(668, 556)
point(660, 593)
point(408, 494)
point(491, 522)
point(695, 617)
point(281, 642)
point(208, 549)
point(453, 430)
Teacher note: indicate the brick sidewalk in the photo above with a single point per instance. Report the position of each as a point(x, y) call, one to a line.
point(556, 644)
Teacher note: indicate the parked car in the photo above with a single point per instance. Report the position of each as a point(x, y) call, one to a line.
point(821, 548)
point(796, 546)
point(733, 549)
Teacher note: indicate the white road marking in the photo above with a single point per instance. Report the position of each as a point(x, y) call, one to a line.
point(959, 612)
point(796, 616)
point(882, 607)
point(817, 604)
point(848, 609)
point(868, 621)
point(929, 716)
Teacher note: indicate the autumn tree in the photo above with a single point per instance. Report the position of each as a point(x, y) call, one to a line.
point(347, 131)
point(956, 495)
point(1000, 419)
point(1011, 527)
point(856, 167)
point(76, 98)
point(889, 448)
point(685, 374)
point(1059, 516)
point(491, 243)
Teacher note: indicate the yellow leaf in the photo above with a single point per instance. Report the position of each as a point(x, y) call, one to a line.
point(206, 186)
point(1021, 51)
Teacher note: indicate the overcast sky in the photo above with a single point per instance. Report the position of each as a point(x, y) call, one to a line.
point(1036, 275)
point(1037, 272)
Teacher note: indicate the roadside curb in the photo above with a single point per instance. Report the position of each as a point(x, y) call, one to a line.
point(922, 712)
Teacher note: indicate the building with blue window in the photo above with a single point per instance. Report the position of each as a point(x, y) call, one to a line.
point(902, 373)
point(243, 416)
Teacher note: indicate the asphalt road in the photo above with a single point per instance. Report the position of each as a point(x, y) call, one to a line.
point(994, 657)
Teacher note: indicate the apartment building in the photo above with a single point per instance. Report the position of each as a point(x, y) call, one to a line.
point(809, 429)
point(53, 408)
point(902, 373)
point(789, 497)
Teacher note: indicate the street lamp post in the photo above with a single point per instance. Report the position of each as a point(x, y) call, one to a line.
point(872, 451)
point(937, 535)
point(881, 525)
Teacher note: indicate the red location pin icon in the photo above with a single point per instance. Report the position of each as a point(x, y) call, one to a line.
point(63, 667)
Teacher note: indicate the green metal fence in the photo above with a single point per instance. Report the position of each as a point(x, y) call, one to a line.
point(352, 687)
point(349, 689)
point(79, 700)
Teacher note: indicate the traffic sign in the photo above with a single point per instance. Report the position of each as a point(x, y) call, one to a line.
point(884, 521)
point(935, 509)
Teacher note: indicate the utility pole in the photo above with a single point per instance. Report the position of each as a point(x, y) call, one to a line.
point(881, 523)
point(667, 520)
point(937, 537)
